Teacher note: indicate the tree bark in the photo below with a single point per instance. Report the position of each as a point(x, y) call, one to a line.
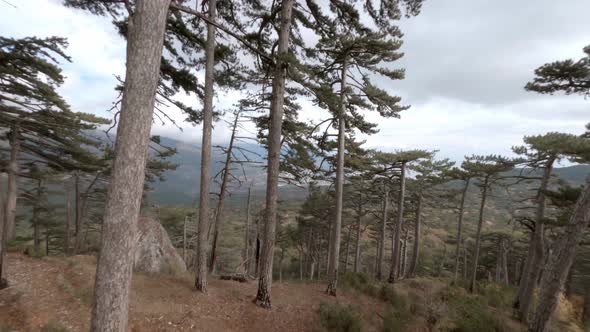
point(68, 230)
point(347, 248)
point(404, 261)
point(247, 235)
point(36, 221)
point(274, 146)
point(416, 245)
point(561, 261)
point(536, 250)
point(222, 192)
point(3, 279)
point(381, 253)
point(12, 194)
point(115, 263)
point(482, 206)
point(204, 199)
point(460, 227)
point(335, 243)
point(357, 252)
point(399, 223)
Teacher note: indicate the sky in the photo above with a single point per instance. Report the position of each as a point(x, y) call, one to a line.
point(466, 63)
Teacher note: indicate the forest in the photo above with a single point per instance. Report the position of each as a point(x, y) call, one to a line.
point(291, 224)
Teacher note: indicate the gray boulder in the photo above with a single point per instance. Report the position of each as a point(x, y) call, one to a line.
point(154, 253)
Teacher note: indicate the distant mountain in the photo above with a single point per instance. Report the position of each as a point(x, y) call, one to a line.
point(182, 185)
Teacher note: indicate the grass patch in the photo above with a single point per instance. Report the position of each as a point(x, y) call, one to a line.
point(337, 317)
point(395, 320)
point(6, 328)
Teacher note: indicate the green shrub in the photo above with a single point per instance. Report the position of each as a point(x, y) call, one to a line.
point(355, 280)
point(498, 296)
point(396, 320)
point(53, 326)
point(471, 314)
point(388, 294)
point(337, 317)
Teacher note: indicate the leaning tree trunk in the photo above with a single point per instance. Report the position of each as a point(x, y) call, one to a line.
point(145, 36)
point(416, 246)
point(201, 268)
point(335, 243)
point(12, 194)
point(560, 262)
point(482, 206)
point(223, 190)
point(357, 249)
point(536, 250)
point(398, 224)
point(460, 228)
point(381, 253)
point(274, 149)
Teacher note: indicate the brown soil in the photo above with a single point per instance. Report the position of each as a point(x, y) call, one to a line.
point(59, 290)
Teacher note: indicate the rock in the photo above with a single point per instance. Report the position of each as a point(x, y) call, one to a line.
point(154, 253)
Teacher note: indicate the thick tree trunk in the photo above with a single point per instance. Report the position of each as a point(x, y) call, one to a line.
point(536, 250)
point(145, 38)
point(416, 246)
point(561, 261)
point(274, 147)
point(204, 199)
point(381, 253)
point(399, 223)
point(12, 194)
point(460, 228)
point(222, 192)
point(357, 249)
point(247, 235)
point(482, 206)
point(335, 244)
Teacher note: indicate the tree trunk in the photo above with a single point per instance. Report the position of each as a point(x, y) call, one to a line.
point(36, 221)
point(145, 38)
point(416, 246)
point(404, 261)
point(536, 250)
point(301, 265)
point(3, 279)
point(347, 248)
point(482, 206)
point(281, 265)
point(561, 261)
point(586, 310)
point(357, 252)
point(204, 199)
point(505, 262)
point(460, 228)
point(222, 192)
point(247, 235)
point(335, 244)
point(381, 252)
point(12, 194)
point(274, 149)
point(399, 223)
point(69, 219)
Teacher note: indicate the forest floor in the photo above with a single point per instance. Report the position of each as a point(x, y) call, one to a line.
point(55, 294)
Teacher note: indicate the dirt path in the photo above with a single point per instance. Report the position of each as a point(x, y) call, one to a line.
point(60, 290)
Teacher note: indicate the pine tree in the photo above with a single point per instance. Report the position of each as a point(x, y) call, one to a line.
point(145, 38)
point(487, 169)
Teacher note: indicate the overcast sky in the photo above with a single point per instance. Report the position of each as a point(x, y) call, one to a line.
point(466, 64)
